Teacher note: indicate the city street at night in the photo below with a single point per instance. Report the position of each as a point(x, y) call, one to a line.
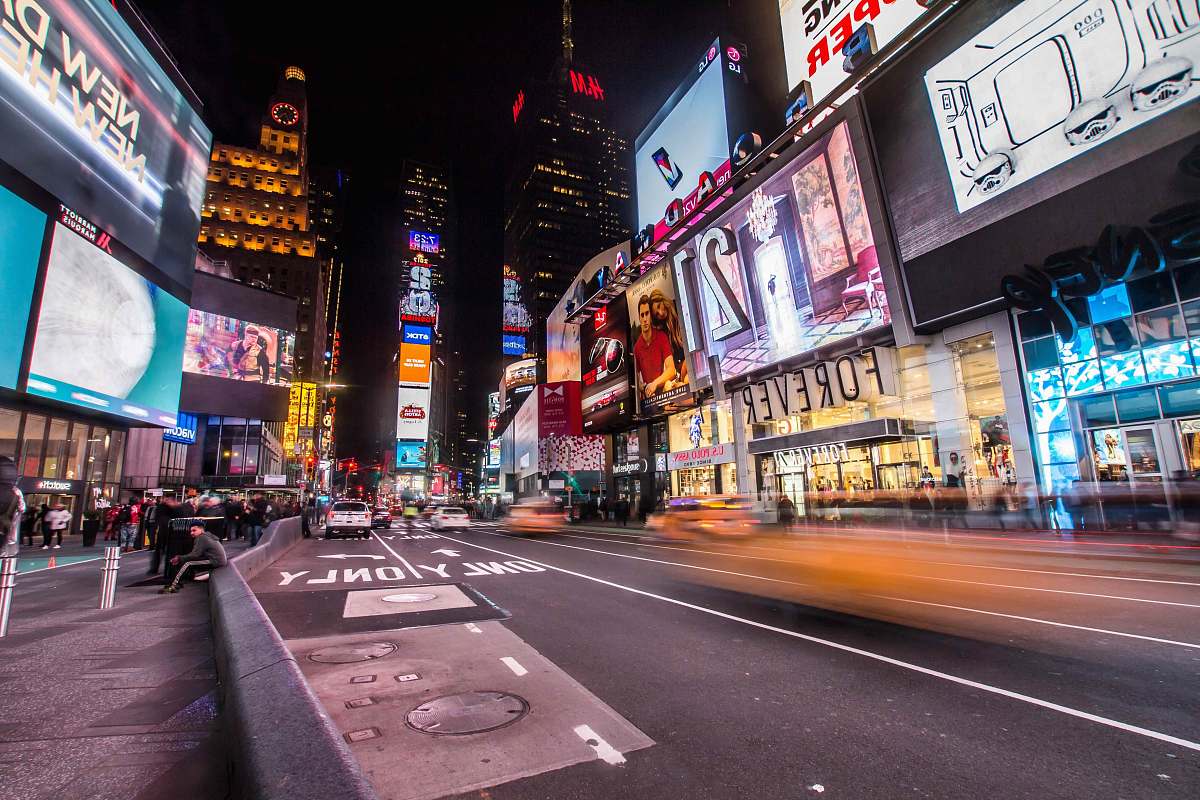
point(1072, 675)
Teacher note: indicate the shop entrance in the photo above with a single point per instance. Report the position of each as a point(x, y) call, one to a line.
point(1129, 470)
point(36, 500)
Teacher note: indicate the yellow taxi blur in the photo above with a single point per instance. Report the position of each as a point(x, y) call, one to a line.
point(537, 516)
point(707, 517)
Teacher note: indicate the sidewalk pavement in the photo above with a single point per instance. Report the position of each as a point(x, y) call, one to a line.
point(109, 704)
point(71, 552)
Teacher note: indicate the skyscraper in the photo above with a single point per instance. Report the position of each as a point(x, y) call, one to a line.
point(568, 194)
point(255, 217)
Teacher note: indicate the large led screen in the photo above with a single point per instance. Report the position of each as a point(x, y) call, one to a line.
point(411, 455)
point(684, 140)
point(793, 267)
point(604, 363)
point(412, 413)
point(1052, 80)
point(22, 228)
point(107, 338)
point(660, 363)
point(414, 363)
point(224, 347)
point(87, 113)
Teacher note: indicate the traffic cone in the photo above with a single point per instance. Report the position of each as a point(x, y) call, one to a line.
point(52, 563)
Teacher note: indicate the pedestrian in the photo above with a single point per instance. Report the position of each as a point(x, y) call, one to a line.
point(207, 554)
point(126, 526)
point(787, 512)
point(169, 509)
point(28, 521)
point(111, 513)
point(12, 509)
point(146, 530)
point(234, 511)
point(56, 521)
point(39, 521)
point(256, 516)
point(623, 511)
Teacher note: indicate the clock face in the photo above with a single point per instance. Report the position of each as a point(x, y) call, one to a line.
point(285, 114)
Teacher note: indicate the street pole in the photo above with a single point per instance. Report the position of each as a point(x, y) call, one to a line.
point(8, 581)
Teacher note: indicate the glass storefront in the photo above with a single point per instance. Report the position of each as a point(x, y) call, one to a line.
point(699, 427)
point(947, 425)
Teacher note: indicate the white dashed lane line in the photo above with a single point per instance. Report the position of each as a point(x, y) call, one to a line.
point(604, 750)
point(515, 666)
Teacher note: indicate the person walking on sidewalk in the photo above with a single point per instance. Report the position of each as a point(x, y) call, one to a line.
point(128, 519)
point(256, 515)
point(12, 509)
point(56, 521)
point(207, 554)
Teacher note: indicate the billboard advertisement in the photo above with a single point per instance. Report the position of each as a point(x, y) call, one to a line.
point(562, 338)
point(525, 440)
point(412, 413)
point(184, 431)
point(513, 344)
point(422, 242)
point(515, 317)
point(660, 351)
point(559, 409)
point(302, 414)
point(22, 228)
point(493, 456)
point(793, 267)
point(224, 347)
point(90, 116)
point(411, 455)
point(825, 42)
point(688, 138)
point(1052, 80)
point(604, 362)
point(417, 334)
point(414, 363)
point(520, 375)
point(107, 338)
point(417, 303)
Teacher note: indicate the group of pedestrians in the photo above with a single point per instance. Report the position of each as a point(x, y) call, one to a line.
point(51, 521)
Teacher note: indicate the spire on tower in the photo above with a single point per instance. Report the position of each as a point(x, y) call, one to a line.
point(567, 43)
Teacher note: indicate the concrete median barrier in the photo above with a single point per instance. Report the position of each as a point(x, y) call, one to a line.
point(282, 744)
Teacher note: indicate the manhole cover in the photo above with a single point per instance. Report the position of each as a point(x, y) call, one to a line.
point(469, 712)
point(349, 653)
point(410, 597)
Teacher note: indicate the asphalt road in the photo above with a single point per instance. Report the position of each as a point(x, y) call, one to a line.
point(771, 670)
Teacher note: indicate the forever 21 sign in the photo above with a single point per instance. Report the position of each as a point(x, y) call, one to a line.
point(865, 375)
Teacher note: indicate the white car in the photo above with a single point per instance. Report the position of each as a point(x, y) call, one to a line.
point(348, 518)
point(449, 517)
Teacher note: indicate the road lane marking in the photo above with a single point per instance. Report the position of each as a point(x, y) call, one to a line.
point(1070, 574)
point(1051, 591)
point(1039, 621)
point(399, 557)
point(512, 664)
point(1024, 698)
point(604, 750)
point(473, 628)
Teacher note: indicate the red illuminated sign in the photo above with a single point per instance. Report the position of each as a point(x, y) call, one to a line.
point(586, 85)
point(518, 104)
point(600, 318)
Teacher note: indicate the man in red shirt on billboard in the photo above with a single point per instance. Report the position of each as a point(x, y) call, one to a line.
point(652, 353)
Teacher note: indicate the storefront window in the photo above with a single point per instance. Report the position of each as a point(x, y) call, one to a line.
point(116, 457)
point(31, 444)
point(76, 451)
point(97, 458)
point(708, 425)
point(10, 422)
point(57, 447)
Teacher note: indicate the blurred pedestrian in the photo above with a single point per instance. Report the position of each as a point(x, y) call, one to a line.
point(28, 521)
point(256, 516)
point(12, 509)
point(234, 511)
point(787, 512)
point(56, 521)
point(623, 511)
point(168, 509)
point(128, 520)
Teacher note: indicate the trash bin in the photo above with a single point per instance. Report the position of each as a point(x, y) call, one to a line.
point(90, 528)
point(179, 541)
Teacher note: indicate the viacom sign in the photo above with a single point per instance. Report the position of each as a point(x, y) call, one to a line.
point(866, 375)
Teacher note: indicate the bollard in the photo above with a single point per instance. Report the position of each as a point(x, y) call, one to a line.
point(8, 580)
point(108, 579)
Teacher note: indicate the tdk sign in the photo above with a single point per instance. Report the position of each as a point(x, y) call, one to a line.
point(418, 334)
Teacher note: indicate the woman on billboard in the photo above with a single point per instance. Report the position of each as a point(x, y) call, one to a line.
point(666, 319)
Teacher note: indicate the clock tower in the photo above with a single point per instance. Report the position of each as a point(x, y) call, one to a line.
point(285, 125)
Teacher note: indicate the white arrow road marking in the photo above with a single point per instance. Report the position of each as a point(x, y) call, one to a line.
point(512, 664)
point(344, 556)
point(473, 628)
point(440, 570)
point(603, 749)
point(451, 553)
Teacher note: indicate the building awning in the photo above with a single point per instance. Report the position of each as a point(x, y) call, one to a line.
point(870, 431)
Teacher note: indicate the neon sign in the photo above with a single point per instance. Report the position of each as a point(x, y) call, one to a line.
point(583, 84)
point(518, 105)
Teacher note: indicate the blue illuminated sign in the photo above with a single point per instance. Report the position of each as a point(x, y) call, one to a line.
point(418, 334)
point(184, 430)
point(513, 345)
point(422, 242)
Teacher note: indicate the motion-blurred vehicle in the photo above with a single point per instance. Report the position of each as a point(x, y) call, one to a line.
point(449, 517)
point(381, 518)
point(348, 518)
point(535, 517)
point(708, 517)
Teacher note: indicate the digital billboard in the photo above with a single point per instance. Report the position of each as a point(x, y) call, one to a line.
point(515, 315)
point(1052, 80)
point(520, 376)
point(493, 457)
point(411, 455)
point(414, 363)
point(106, 338)
point(22, 228)
point(660, 350)
point(90, 116)
point(422, 242)
point(691, 136)
point(224, 347)
point(559, 409)
point(825, 42)
point(513, 344)
point(417, 303)
point(604, 363)
point(417, 334)
point(791, 268)
point(302, 414)
point(412, 413)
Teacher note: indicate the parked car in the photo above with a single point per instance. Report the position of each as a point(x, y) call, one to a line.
point(449, 517)
point(348, 518)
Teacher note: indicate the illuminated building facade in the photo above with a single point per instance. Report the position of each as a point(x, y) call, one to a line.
point(568, 194)
point(256, 217)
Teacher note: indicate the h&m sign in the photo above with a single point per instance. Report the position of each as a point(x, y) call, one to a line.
point(865, 375)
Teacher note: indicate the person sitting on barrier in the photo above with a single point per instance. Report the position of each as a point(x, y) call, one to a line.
point(207, 554)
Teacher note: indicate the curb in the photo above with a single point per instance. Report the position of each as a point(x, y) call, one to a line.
point(283, 746)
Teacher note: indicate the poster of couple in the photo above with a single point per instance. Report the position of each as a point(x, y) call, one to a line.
point(659, 347)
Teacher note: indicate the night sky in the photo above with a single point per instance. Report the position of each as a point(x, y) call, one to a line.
point(431, 81)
